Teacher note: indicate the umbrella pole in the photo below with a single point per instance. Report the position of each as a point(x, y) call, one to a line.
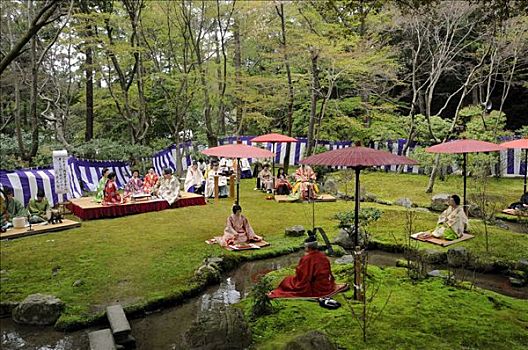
point(525, 168)
point(356, 210)
point(464, 173)
point(273, 166)
point(238, 182)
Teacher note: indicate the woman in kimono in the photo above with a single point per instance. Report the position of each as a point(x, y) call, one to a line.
point(237, 229)
point(194, 179)
point(209, 183)
point(451, 223)
point(282, 185)
point(150, 181)
point(101, 186)
point(266, 179)
point(134, 185)
point(111, 196)
point(305, 186)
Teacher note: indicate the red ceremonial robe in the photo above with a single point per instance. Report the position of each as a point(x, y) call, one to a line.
point(313, 278)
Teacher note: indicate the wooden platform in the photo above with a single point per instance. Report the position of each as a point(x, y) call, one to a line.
point(38, 229)
point(514, 212)
point(441, 242)
point(321, 198)
point(87, 209)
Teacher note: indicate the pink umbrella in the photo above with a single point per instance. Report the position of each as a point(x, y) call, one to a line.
point(357, 158)
point(273, 138)
point(237, 151)
point(464, 146)
point(521, 144)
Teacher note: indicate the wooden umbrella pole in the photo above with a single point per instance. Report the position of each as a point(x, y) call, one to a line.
point(525, 168)
point(464, 174)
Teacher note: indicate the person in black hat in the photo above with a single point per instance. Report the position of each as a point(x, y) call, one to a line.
point(38, 208)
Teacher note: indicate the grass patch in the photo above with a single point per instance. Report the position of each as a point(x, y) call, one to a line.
point(424, 315)
point(144, 259)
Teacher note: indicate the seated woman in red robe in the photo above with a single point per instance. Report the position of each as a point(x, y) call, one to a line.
point(313, 276)
point(237, 230)
point(150, 181)
point(111, 196)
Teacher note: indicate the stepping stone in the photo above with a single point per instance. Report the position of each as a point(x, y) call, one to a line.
point(101, 340)
point(118, 322)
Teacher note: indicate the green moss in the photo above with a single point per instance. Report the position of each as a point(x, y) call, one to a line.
point(147, 259)
point(424, 315)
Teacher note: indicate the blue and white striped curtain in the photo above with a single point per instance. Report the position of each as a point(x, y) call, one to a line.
point(90, 171)
point(167, 158)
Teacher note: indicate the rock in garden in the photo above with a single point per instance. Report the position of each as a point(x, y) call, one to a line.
point(370, 197)
point(439, 201)
point(345, 259)
point(313, 340)
point(209, 273)
point(38, 309)
point(330, 186)
point(295, 231)
point(6, 308)
point(457, 257)
point(219, 328)
point(436, 273)
point(404, 202)
point(344, 239)
point(522, 265)
point(515, 282)
point(434, 256)
point(78, 283)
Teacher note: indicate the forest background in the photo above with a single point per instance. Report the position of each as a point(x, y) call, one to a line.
point(122, 79)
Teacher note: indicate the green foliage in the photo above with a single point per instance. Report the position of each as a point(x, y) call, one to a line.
point(486, 127)
point(366, 217)
point(261, 304)
point(107, 149)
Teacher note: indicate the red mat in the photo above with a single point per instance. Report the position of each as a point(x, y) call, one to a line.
point(339, 288)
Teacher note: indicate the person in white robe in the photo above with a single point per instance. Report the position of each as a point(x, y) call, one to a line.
point(168, 187)
point(209, 182)
point(194, 179)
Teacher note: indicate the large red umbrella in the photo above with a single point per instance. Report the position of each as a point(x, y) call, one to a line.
point(237, 151)
point(273, 138)
point(464, 147)
point(357, 158)
point(521, 144)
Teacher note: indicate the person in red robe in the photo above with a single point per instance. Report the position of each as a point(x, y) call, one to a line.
point(111, 196)
point(313, 276)
point(150, 181)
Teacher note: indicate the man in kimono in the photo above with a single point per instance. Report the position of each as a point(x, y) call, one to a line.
point(237, 229)
point(38, 208)
point(168, 187)
point(313, 276)
point(99, 193)
point(194, 179)
point(305, 186)
point(209, 183)
point(13, 208)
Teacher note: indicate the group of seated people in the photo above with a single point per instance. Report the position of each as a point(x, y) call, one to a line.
point(38, 209)
point(304, 187)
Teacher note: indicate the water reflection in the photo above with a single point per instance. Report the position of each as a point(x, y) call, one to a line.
point(17, 337)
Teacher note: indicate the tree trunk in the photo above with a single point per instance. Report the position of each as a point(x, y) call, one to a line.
point(88, 71)
point(238, 83)
point(33, 98)
point(18, 127)
point(432, 177)
point(313, 105)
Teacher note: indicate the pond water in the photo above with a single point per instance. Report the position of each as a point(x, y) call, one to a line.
point(164, 329)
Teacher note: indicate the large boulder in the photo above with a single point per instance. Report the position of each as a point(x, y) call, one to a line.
point(313, 340)
point(345, 259)
point(404, 202)
point(345, 238)
point(431, 256)
point(457, 257)
point(220, 328)
point(439, 201)
point(330, 186)
point(38, 309)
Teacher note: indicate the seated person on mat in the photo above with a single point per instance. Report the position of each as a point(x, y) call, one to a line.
point(194, 179)
point(282, 185)
point(266, 179)
point(151, 179)
point(38, 208)
point(134, 185)
point(111, 196)
point(451, 223)
point(313, 275)
point(168, 187)
point(522, 204)
point(305, 186)
point(209, 183)
point(101, 186)
point(237, 229)
point(13, 209)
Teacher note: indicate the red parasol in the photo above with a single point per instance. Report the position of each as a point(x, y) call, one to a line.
point(464, 147)
point(521, 144)
point(357, 158)
point(273, 138)
point(237, 151)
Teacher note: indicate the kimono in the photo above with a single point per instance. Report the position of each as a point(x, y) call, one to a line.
point(313, 278)
point(304, 188)
point(133, 186)
point(237, 230)
point(245, 169)
point(193, 180)
point(38, 210)
point(14, 209)
point(451, 223)
point(282, 185)
point(111, 196)
point(149, 182)
point(168, 189)
point(266, 179)
point(99, 192)
point(209, 184)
